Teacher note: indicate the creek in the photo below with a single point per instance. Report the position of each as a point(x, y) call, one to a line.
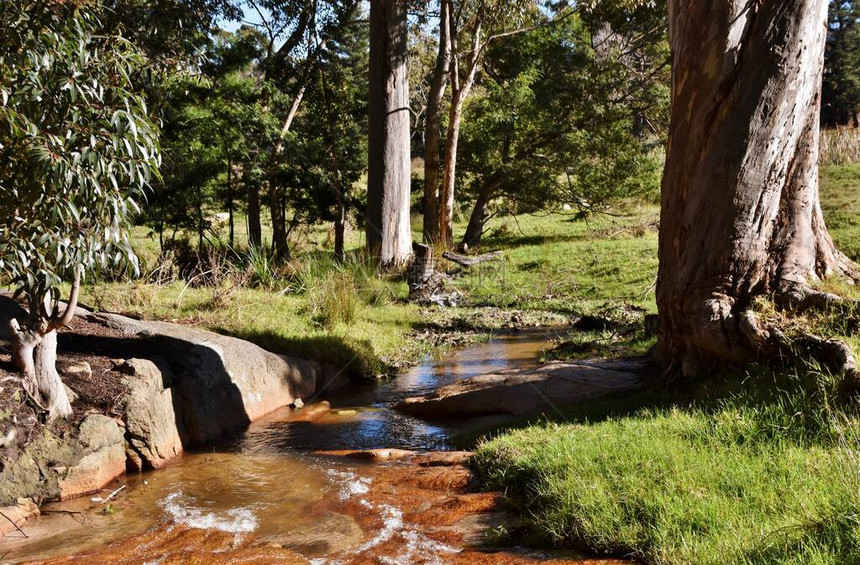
point(267, 482)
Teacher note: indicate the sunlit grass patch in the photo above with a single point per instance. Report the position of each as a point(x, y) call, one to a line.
point(766, 475)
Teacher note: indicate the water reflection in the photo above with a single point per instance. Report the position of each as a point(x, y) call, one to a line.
point(361, 416)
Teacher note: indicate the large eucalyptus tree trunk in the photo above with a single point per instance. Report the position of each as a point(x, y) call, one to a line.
point(433, 125)
point(389, 234)
point(740, 212)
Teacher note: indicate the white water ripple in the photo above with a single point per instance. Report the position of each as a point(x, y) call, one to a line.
point(235, 520)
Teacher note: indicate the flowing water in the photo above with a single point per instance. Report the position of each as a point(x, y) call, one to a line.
point(267, 481)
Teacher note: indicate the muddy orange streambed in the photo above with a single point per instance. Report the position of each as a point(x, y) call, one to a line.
point(263, 497)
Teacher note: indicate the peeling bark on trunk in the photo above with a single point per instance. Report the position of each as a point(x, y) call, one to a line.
point(388, 230)
point(740, 213)
point(433, 125)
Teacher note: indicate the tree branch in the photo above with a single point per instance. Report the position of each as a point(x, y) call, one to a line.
point(69, 314)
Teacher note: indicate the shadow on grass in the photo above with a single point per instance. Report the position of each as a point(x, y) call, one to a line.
point(495, 242)
point(355, 357)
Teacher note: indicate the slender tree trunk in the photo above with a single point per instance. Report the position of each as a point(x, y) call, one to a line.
point(230, 198)
point(339, 229)
point(740, 213)
point(294, 109)
point(388, 230)
point(161, 230)
point(459, 93)
point(475, 229)
point(280, 246)
point(433, 125)
point(201, 223)
point(252, 190)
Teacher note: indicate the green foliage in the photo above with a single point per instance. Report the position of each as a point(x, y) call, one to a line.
point(555, 123)
point(216, 125)
point(76, 144)
point(168, 31)
point(766, 475)
point(225, 130)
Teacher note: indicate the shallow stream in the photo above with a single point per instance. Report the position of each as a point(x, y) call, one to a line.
point(266, 480)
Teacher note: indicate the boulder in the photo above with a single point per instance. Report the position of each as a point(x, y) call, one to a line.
point(154, 430)
point(220, 383)
point(103, 458)
point(524, 391)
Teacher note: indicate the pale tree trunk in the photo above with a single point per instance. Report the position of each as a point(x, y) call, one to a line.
point(34, 351)
point(388, 230)
point(459, 93)
point(740, 212)
point(433, 125)
point(50, 386)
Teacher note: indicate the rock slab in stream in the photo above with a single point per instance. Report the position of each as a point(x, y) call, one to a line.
point(524, 391)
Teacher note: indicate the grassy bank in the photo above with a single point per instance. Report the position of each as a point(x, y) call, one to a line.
point(768, 474)
point(554, 268)
point(752, 468)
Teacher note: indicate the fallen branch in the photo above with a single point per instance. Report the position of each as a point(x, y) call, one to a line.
point(76, 515)
point(466, 261)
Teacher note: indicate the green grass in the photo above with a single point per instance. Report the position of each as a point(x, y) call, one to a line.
point(840, 201)
point(336, 315)
point(562, 263)
point(766, 475)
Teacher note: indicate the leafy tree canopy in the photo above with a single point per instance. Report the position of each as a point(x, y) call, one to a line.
point(76, 144)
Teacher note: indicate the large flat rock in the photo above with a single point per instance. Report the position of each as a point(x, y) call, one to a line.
point(528, 390)
point(218, 383)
